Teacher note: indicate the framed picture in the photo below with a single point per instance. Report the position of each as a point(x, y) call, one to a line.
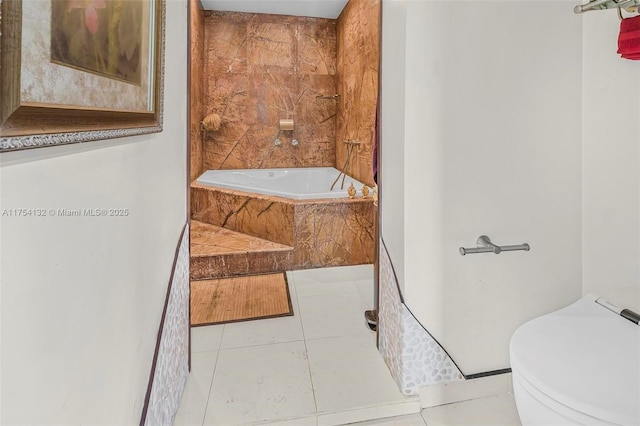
point(79, 70)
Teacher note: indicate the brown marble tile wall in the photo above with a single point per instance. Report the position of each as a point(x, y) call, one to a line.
point(234, 264)
point(258, 69)
point(330, 232)
point(358, 58)
point(266, 217)
point(217, 252)
point(196, 41)
point(333, 233)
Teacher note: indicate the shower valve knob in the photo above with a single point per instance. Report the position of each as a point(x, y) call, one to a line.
point(294, 142)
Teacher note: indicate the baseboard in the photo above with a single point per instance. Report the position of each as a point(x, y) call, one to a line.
point(464, 390)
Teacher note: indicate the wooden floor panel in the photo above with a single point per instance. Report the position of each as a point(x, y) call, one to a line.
point(239, 299)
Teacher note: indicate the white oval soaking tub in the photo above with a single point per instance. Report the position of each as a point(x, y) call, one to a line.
point(299, 184)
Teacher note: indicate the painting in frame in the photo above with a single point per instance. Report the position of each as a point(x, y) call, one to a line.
point(94, 71)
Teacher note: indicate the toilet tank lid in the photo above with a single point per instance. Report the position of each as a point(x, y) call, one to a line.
point(585, 357)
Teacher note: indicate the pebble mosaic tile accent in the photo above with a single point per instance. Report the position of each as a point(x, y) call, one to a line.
point(414, 358)
point(172, 366)
point(423, 359)
point(390, 319)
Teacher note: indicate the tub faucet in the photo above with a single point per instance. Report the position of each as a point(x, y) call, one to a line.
point(350, 144)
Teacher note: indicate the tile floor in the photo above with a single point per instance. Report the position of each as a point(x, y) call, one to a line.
point(318, 367)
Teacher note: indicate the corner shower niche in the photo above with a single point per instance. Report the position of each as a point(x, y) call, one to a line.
point(239, 233)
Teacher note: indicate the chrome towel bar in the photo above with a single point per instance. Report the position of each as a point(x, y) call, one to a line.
point(607, 4)
point(486, 246)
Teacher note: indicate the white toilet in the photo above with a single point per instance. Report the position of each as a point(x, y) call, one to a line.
point(577, 366)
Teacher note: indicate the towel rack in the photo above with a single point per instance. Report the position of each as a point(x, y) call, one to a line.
point(606, 4)
point(484, 245)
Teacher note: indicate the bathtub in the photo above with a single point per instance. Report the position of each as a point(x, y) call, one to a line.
point(298, 184)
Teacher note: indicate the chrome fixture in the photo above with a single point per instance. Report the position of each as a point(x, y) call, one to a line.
point(277, 142)
point(629, 5)
point(294, 142)
point(484, 245)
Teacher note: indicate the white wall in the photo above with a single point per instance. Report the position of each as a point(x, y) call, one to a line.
point(82, 297)
point(611, 166)
point(491, 146)
point(392, 150)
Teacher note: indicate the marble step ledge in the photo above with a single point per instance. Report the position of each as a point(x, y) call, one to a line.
point(219, 253)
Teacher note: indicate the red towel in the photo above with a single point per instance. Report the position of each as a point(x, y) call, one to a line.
point(629, 38)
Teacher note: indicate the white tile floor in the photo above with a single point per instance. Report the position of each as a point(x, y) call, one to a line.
point(318, 367)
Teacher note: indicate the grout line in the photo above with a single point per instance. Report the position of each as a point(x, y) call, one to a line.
point(367, 409)
point(221, 338)
point(342, 336)
point(213, 375)
point(261, 344)
point(350, 289)
point(313, 388)
point(306, 350)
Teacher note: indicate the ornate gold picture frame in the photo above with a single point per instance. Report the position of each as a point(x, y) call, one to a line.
point(44, 102)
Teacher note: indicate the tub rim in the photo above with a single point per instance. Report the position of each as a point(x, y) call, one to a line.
point(280, 194)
